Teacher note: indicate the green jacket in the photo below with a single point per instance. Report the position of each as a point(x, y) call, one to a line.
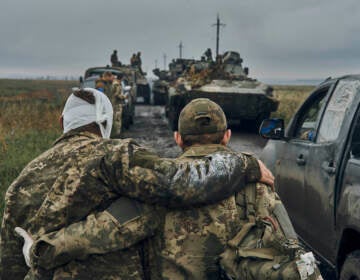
point(81, 175)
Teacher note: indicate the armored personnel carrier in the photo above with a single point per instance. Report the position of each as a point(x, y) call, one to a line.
point(227, 83)
point(128, 77)
point(160, 87)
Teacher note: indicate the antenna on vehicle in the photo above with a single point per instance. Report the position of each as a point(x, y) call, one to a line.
point(218, 24)
point(180, 49)
point(164, 56)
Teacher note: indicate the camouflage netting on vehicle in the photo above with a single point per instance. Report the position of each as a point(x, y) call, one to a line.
point(202, 73)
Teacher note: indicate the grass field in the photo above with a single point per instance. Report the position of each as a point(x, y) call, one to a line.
point(29, 112)
point(290, 97)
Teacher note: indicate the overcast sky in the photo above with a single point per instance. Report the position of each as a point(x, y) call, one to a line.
point(278, 39)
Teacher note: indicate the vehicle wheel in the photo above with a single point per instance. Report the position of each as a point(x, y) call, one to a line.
point(351, 267)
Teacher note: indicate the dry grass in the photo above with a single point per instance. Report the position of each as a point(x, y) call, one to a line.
point(29, 113)
point(290, 97)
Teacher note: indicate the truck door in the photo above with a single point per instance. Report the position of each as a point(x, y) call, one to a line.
point(322, 168)
point(294, 158)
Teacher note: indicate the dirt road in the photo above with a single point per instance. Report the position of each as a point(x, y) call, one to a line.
point(150, 128)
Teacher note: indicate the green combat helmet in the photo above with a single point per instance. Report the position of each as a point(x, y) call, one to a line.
point(202, 116)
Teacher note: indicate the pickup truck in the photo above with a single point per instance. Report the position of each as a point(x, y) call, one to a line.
point(316, 163)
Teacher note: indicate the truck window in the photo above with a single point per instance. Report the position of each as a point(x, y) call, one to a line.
point(336, 110)
point(309, 117)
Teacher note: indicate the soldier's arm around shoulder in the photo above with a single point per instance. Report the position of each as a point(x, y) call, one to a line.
point(257, 171)
point(124, 224)
point(140, 174)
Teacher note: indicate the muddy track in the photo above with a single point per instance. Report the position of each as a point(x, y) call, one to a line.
point(151, 129)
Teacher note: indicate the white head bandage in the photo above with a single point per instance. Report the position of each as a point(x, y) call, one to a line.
point(78, 112)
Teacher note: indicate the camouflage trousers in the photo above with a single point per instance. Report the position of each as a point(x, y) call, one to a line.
point(117, 122)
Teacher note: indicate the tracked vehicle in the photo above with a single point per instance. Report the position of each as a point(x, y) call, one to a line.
point(161, 86)
point(227, 83)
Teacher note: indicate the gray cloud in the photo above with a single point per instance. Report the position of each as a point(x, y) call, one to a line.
point(277, 39)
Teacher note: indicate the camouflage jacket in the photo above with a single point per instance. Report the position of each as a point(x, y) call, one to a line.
point(194, 238)
point(83, 173)
point(217, 223)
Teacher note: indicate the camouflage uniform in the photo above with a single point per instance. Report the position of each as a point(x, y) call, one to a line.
point(190, 241)
point(81, 175)
point(194, 238)
point(104, 86)
point(118, 102)
point(106, 232)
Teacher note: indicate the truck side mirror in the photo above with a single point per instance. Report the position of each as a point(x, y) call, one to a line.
point(272, 129)
point(81, 80)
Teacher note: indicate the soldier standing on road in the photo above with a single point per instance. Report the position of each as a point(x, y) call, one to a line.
point(118, 101)
point(203, 231)
point(82, 174)
point(189, 242)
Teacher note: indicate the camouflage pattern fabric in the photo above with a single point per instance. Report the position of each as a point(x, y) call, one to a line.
point(194, 238)
point(102, 235)
point(117, 101)
point(202, 116)
point(215, 71)
point(266, 247)
point(82, 173)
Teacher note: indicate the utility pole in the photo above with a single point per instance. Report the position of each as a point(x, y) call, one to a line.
point(218, 24)
point(164, 56)
point(180, 48)
point(156, 63)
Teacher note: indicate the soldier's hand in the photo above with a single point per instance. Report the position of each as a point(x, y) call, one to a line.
point(28, 242)
point(266, 176)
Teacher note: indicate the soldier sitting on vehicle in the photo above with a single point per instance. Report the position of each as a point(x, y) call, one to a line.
point(208, 55)
point(114, 59)
point(133, 61)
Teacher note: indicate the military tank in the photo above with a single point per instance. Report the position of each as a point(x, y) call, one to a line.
point(165, 77)
point(227, 83)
